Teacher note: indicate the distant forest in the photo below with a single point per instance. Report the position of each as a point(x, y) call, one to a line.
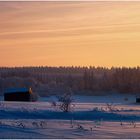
point(81, 80)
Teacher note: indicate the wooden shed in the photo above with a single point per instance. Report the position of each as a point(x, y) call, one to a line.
point(20, 94)
point(137, 99)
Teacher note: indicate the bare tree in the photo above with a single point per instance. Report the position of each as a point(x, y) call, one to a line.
point(65, 101)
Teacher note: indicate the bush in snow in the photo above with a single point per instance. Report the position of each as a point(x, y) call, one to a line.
point(111, 107)
point(35, 124)
point(43, 124)
point(20, 124)
point(80, 127)
point(65, 101)
point(133, 124)
point(2, 105)
point(53, 104)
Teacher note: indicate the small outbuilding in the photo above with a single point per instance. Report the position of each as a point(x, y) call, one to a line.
point(137, 99)
point(20, 94)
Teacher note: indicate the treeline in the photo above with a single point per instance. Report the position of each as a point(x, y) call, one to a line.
point(54, 80)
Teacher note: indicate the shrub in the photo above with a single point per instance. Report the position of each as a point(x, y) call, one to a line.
point(65, 101)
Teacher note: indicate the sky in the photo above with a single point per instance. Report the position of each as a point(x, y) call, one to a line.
point(70, 33)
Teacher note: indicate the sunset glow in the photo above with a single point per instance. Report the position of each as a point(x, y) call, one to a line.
point(70, 33)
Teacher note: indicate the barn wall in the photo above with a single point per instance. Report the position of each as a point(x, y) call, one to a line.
point(17, 97)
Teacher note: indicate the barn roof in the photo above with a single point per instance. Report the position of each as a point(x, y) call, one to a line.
point(14, 90)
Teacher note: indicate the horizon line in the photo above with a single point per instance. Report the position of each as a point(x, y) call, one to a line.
point(70, 66)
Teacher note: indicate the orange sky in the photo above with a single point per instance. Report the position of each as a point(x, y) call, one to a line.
point(70, 33)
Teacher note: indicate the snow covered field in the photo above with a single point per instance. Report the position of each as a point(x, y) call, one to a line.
point(112, 116)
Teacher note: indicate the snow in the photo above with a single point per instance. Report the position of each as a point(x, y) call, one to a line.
point(111, 98)
point(62, 129)
point(90, 117)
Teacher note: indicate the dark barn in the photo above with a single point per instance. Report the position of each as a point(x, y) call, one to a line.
point(137, 99)
point(23, 94)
